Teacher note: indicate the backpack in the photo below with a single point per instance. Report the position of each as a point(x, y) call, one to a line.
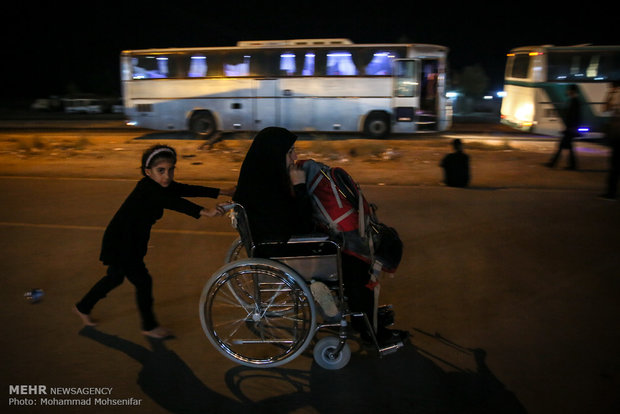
point(341, 210)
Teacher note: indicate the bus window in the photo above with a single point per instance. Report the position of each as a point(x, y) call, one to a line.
point(237, 65)
point(296, 63)
point(340, 63)
point(197, 66)
point(406, 84)
point(582, 66)
point(149, 67)
point(308, 69)
point(609, 66)
point(287, 64)
point(518, 66)
point(381, 64)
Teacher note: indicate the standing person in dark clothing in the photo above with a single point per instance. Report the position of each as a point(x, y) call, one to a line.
point(572, 120)
point(612, 106)
point(125, 240)
point(456, 166)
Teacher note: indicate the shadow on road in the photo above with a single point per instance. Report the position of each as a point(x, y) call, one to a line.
point(409, 381)
point(166, 378)
point(406, 382)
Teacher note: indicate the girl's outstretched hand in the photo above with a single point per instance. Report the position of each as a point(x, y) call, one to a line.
point(214, 212)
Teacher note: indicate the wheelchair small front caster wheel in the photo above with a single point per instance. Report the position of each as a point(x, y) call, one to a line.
point(326, 358)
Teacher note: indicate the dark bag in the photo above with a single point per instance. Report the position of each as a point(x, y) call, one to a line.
point(388, 246)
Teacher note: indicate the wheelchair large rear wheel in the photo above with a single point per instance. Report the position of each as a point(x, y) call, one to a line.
point(258, 312)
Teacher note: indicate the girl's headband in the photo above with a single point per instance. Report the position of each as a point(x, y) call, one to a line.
point(154, 153)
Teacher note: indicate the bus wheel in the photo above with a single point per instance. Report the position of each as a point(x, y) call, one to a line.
point(202, 124)
point(377, 126)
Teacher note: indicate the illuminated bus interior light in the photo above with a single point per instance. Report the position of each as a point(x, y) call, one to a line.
point(583, 129)
point(287, 64)
point(308, 69)
point(197, 66)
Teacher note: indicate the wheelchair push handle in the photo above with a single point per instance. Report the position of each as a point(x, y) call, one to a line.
point(227, 206)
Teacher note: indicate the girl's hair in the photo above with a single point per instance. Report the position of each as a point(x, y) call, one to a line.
point(156, 153)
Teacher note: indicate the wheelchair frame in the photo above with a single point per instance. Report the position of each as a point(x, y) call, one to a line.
point(260, 312)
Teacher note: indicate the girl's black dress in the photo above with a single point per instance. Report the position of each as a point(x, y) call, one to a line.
point(126, 238)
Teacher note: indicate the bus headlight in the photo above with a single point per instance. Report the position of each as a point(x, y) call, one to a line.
point(525, 113)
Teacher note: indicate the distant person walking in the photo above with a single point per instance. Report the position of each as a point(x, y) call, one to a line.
point(456, 166)
point(572, 119)
point(612, 105)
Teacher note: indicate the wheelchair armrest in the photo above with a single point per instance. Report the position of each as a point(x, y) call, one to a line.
point(303, 238)
point(304, 245)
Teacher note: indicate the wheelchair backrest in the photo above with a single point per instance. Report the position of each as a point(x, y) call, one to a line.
point(242, 225)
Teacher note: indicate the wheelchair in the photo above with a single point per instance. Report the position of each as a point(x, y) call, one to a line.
point(260, 311)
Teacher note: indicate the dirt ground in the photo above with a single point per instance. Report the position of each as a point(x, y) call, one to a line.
point(498, 160)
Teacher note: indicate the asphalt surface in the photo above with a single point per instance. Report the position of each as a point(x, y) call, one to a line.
point(510, 293)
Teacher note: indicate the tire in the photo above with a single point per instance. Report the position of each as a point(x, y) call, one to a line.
point(202, 124)
point(323, 353)
point(258, 313)
point(377, 126)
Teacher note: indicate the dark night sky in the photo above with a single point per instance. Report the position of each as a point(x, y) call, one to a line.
point(48, 49)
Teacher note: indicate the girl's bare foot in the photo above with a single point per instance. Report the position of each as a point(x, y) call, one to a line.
point(84, 317)
point(158, 333)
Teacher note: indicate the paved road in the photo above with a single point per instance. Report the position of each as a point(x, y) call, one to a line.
point(511, 297)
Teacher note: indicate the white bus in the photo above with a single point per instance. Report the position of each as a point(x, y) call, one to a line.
point(302, 85)
point(537, 78)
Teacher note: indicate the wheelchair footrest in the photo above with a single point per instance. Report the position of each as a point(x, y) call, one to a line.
point(390, 349)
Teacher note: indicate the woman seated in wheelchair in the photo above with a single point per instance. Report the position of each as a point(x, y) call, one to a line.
point(272, 189)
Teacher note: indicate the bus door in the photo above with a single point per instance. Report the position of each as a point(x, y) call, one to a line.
point(429, 94)
point(406, 95)
point(265, 109)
